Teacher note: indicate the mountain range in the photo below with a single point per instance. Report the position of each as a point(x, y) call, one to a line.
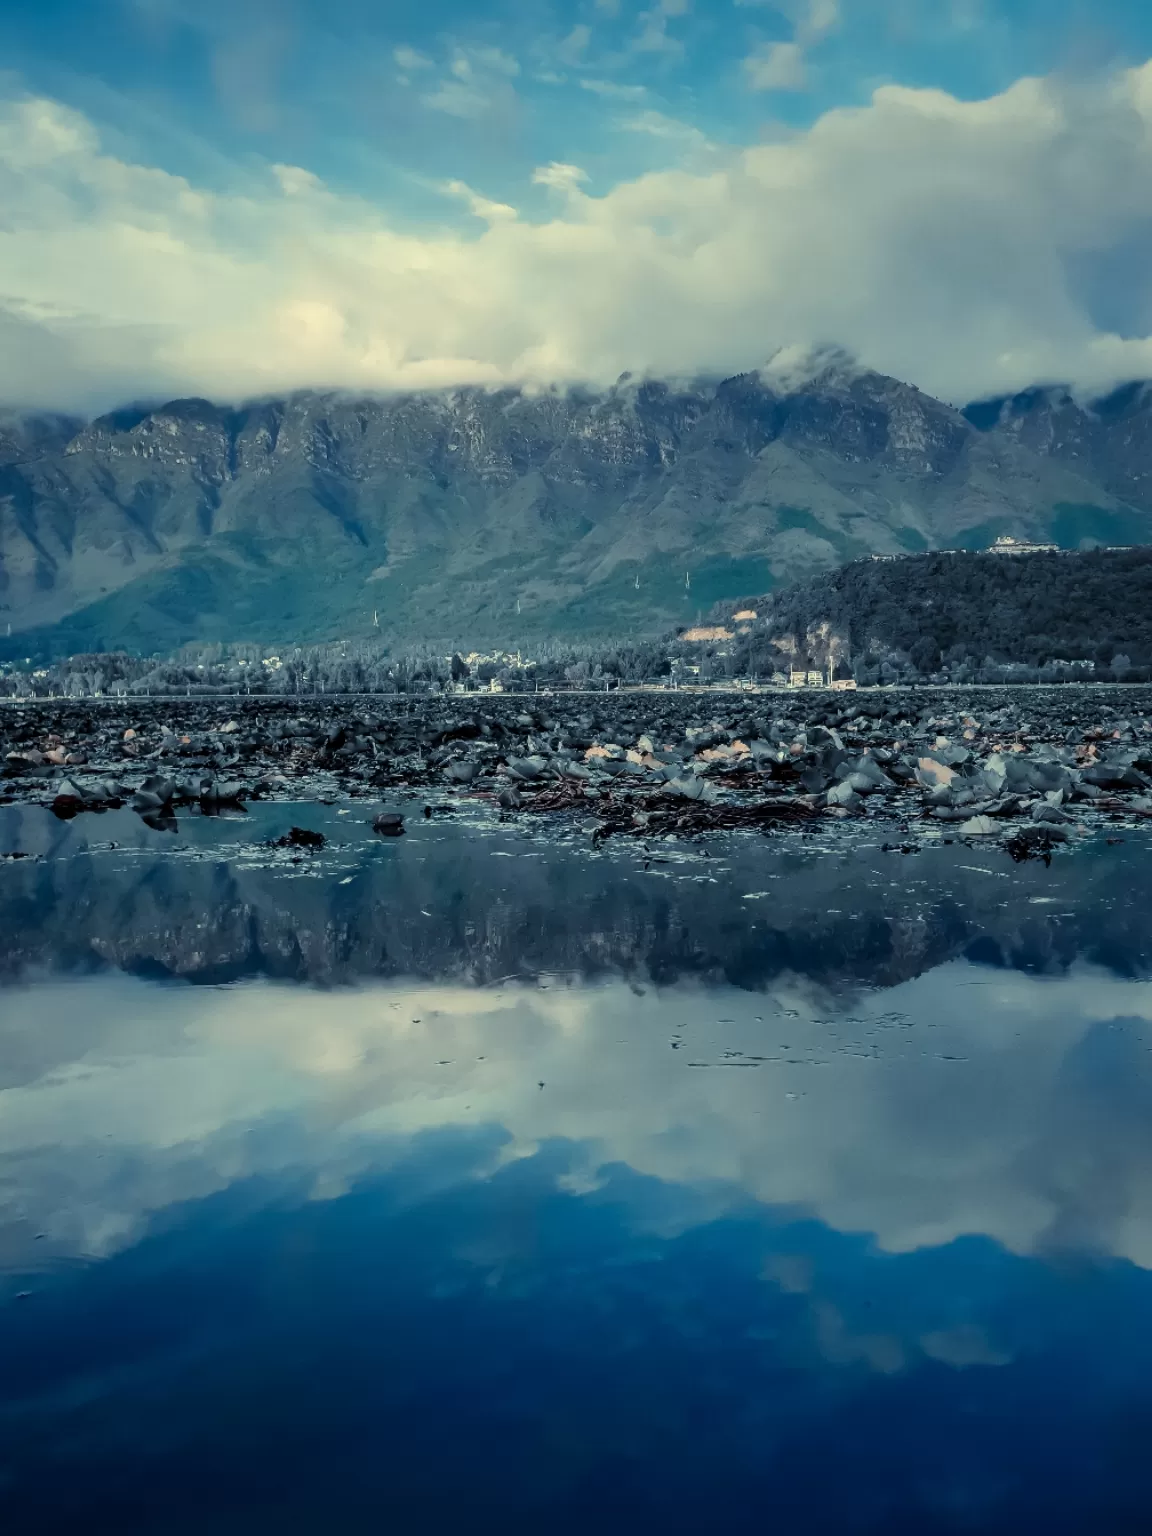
point(486, 517)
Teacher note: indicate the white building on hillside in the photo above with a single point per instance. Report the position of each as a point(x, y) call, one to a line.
point(1007, 545)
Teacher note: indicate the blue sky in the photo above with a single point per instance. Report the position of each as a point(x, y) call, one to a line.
point(235, 197)
point(391, 99)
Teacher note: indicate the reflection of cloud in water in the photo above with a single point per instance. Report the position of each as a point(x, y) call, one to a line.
point(962, 1346)
point(967, 1101)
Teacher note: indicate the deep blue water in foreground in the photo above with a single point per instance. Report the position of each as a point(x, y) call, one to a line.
point(471, 1182)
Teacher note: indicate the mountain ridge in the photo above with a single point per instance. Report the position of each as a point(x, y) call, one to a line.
point(490, 515)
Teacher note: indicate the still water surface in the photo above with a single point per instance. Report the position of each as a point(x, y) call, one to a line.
point(474, 1182)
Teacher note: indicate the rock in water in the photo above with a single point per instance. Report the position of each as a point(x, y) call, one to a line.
point(979, 826)
point(299, 837)
point(933, 774)
point(460, 771)
point(691, 788)
point(844, 794)
point(162, 788)
point(389, 824)
point(69, 800)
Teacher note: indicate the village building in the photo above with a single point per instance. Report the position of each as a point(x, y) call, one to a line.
point(1007, 545)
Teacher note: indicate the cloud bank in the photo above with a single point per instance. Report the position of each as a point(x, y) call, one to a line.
point(969, 247)
point(965, 1102)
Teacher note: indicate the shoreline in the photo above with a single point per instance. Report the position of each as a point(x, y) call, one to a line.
point(1026, 766)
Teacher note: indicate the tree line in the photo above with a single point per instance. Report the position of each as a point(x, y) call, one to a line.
point(945, 617)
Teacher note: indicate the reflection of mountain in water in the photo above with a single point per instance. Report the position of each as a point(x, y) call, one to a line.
point(863, 1241)
point(448, 903)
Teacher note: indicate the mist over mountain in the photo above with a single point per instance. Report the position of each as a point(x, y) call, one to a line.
point(487, 516)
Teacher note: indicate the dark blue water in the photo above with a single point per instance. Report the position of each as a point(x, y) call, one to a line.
point(472, 1182)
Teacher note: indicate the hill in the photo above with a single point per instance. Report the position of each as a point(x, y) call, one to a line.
point(506, 516)
point(959, 611)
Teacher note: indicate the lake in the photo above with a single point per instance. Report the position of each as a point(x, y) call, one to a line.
point(478, 1179)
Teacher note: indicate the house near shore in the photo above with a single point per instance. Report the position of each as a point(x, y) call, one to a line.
point(817, 677)
point(805, 677)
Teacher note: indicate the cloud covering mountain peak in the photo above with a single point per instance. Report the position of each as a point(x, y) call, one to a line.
point(975, 246)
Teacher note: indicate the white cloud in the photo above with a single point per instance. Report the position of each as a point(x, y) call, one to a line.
point(811, 19)
point(559, 177)
point(483, 207)
point(614, 89)
point(295, 181)
point(653, 34)
point(458, 99)
point(783, 66)
point(822, 17)
point(493, 59)
point(573, 48)
point(659, 126)
point(478, 79)
point(411, 59)
point(967, 246)
point(776, 67)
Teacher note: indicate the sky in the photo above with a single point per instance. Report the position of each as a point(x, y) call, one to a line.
point(239, 197)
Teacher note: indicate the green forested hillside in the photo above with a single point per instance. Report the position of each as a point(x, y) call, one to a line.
point(959, 608)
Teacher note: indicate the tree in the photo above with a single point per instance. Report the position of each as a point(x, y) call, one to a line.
point(926, 655)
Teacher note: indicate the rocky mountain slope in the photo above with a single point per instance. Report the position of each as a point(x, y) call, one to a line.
point(476, 516)
point(1109, 440)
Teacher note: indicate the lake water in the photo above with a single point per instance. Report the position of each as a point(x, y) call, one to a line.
point(476, 1181)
